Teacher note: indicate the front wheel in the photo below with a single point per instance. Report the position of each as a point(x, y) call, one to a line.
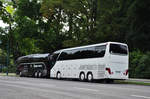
point(58, 76)
point(20, 74)
point(82, 77)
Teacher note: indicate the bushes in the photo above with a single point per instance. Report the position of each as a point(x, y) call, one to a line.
point(9, 69)
point(139, 65)
point(133, 62)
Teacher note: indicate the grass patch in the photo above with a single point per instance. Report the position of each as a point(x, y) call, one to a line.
point(9, 74)
point(132, 82)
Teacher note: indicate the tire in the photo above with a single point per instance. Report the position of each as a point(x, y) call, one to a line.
point(82, 77)
point(90, 77)
point(20, 74)
point(58, 76)
point(36, 74)
point(39, 74)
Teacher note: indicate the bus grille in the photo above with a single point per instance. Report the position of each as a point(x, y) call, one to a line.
point(101, 71)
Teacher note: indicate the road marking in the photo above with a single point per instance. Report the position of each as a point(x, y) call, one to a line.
point(86, 89)
point(141, 96)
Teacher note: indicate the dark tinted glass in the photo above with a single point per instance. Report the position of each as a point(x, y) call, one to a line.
point(100, 51)
point(118, 49)
point(63, 56)
point(89, 52)
point(54, 57)
point(82, 53)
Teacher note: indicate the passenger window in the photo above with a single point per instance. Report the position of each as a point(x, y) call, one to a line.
point(82, 53)
point(54, 57)
point(100, 51)
point(118, 49)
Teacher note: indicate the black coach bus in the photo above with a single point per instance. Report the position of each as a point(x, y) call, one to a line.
point(34, 65)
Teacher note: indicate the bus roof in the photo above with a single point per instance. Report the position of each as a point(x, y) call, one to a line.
point(32, 57)
point(90, 46)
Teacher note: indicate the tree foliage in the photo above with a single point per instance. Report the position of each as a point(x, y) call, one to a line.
point(139, 65)
point(42, 26)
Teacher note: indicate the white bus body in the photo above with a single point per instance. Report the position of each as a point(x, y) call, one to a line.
point(99, 61)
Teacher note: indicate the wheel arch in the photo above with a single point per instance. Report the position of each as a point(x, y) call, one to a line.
point(81, 73)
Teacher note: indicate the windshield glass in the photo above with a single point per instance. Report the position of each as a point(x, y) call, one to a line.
point(118, 49)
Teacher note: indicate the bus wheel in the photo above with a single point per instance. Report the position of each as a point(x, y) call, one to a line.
point(39, 74)
point(20, 74)
point(36, 74)
point(90, 77)
point(82, 77)
point(58, 76)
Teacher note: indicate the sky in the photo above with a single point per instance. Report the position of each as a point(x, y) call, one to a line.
point(2, 24)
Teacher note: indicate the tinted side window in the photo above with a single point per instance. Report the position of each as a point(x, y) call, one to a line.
point(54, 57)
point(62, 56)
point(68, 55)
point(118, 49)
point(76, 54)
point(100, 51)
point(82, 53)
point(87, 53)
point(72, 54)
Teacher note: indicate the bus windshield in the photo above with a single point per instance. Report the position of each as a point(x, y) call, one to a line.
point(118, 49)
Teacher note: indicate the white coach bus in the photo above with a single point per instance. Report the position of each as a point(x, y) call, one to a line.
point(93, 62)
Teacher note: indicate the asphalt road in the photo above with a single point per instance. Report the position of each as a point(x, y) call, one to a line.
point(33, 88)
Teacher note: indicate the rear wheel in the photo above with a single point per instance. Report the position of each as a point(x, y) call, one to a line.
point(39, 74)
point(82, 77)
point(90, 77)
point(36, 74)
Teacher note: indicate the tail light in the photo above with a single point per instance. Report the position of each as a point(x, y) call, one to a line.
point(126, 72)
point(109, 71)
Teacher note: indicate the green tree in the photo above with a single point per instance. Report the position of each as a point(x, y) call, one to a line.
point(143, 68)
point(135, 57)
point(138, 24)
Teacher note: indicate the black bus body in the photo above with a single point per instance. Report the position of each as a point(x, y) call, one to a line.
point(34, 65)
